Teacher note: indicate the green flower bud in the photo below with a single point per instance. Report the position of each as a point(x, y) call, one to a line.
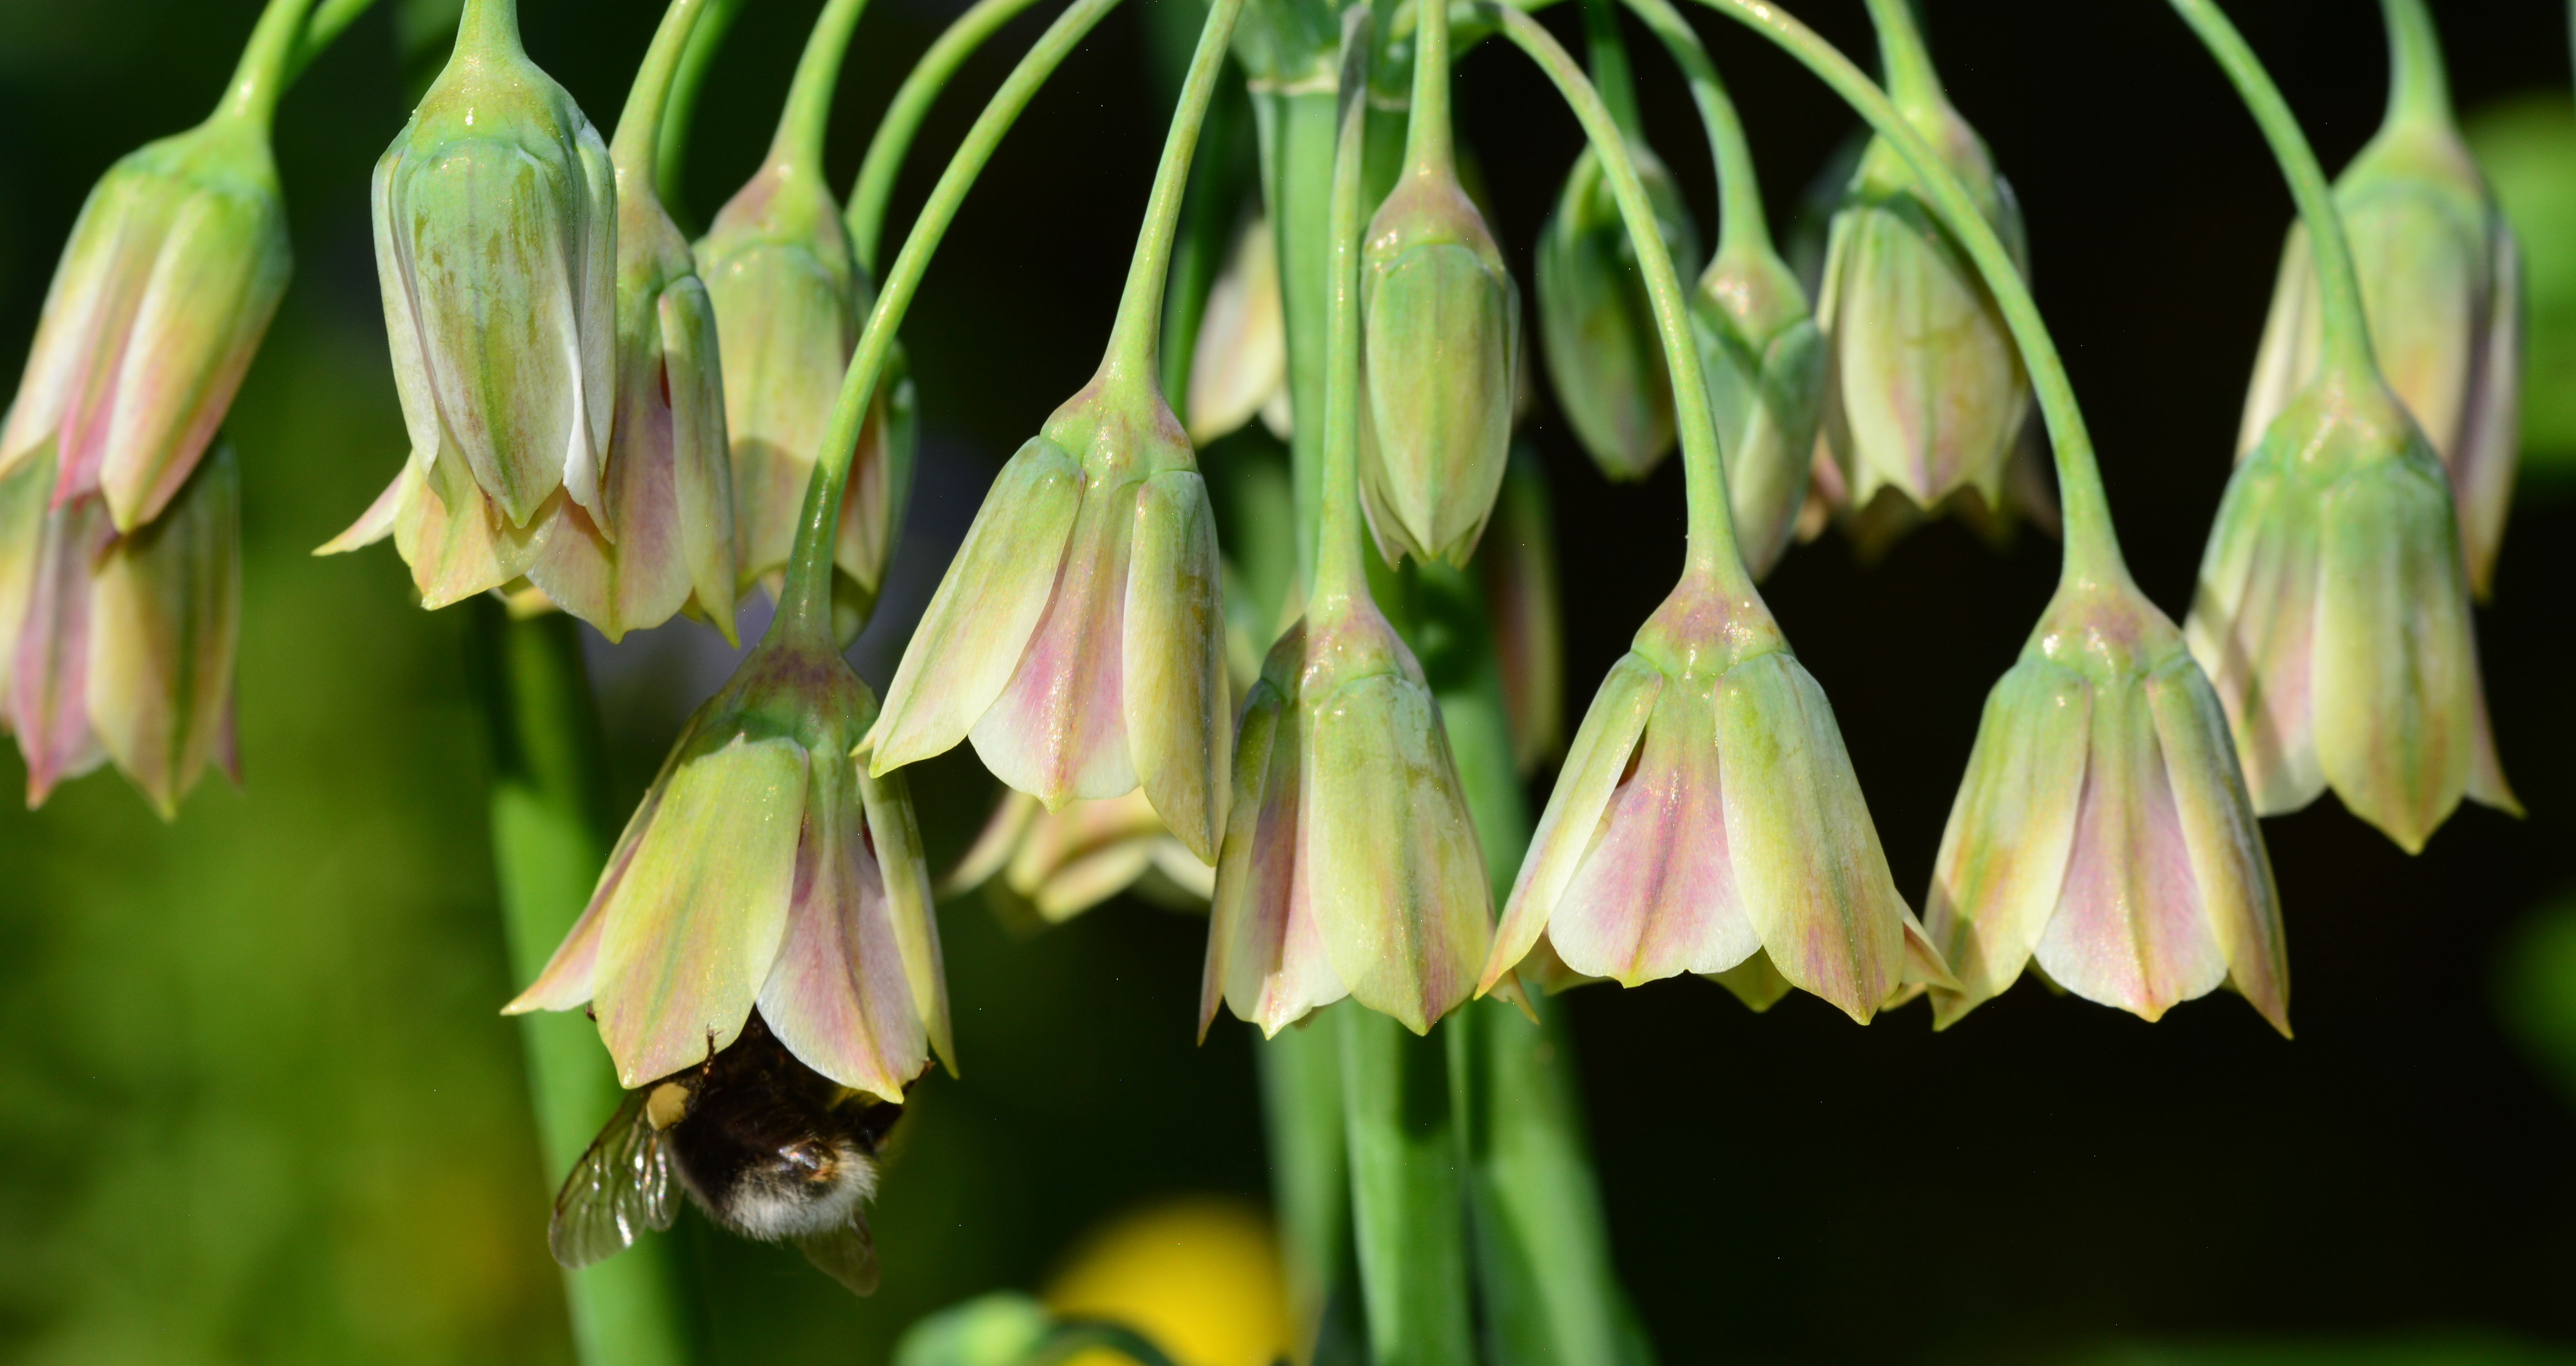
point(172, 273)
point(1926, 393)
point(1440, 327)
point(2332, 616)
point(1603, 355)
point(2441, 285)
point(2104, 827)
point(1765, 362)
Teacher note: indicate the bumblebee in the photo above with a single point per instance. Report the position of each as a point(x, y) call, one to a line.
point(767, 1147)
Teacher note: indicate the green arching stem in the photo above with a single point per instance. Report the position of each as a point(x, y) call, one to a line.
point(329, 19)
point(807, 604)
point(1713, 553)
point(2418, 88)
point(1911, 81)
point(1743, 229)
point(1427, 148)
point(636, 147)
point(1608, 55)
point(680, 107)
point(799, 142)
point(1341, 566)
point(266, 64)
point(2344, 326)
point(865, 216)
point(489, 23)
point(1136, 338)
point(2092, 548)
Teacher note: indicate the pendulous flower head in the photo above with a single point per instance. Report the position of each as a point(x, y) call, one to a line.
point(1765, 362)
point(120, 646)
point(2104, 828)
point(1707, 818)
point(1603, 356)
point(1441, 335)
point(2332, 616)
point(1079, 636)
point(765, 869)
point(1350, 866)
point(173, 270)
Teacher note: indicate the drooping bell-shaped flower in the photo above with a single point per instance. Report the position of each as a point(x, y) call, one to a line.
point(121, 647)
point(2441, 283)
point(1926, 393)
point(1239, 366)
point(1441, 340)
point(168, 282)
point(1058, 864)
point(788, 297)
point(2104, 828)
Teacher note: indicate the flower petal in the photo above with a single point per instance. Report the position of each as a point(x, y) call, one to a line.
point(1266, 954)
point(49, 683)
point(1059, 727)
point(837, 996)
point(2482, 465)
point(895, 833)
point(1572, 820)
point(166, 617)
point(701, 458)
point(2228, 861)
point(2003, 856)
point(1172, 657)
point(2253, 626)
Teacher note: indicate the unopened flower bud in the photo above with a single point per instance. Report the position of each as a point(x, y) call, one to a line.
point(1441, 325)
point(1765, 363)
point(2104, 827)
point(172, 273)
point(1603, 355)
point(2332, 616)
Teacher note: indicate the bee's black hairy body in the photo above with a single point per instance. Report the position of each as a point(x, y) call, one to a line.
point(770, 1148)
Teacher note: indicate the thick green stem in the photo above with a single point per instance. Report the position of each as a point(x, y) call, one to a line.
point(549, 839)
point(1608, 55)
point(1301, 1101)
point(2418, 88)
point(1713, 553)
point(1341, 564)
point(1136, 339)
point(1911, 81)
point(489, 23)
point(2345, 328)
point(2092, 547)
point(865, 216)
point(1408, 1214)
point(267, 63)
point(330, 19)
point(807, 603)
point(1743, 229)
point(680, 109)
point(637, 145)
point(1303, 131)
point(1427, 146)
point(799, 142)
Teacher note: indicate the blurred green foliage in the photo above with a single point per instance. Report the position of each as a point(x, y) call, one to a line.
point(2527, 147)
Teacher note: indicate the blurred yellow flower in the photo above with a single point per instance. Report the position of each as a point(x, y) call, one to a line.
point(1198, 1275)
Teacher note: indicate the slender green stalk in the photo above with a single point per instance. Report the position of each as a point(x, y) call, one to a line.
point(2418, 88)
point(680, 110)
point(1408, 1214)
point(1427, 146)
point(1304, 129)
point(2092, 547)
point(865, 216)
point(1208, 217)
point(549, 839)
point(807, 603)
point(267, 63)
point(1911, 81)
point(636, 145)
point(2343, 325)
point(1608, 55)
point(1136, 338)
point(1743, 227)
point(1341, 565)
point(330, 19)
point(1301, 1102)
point(808, 116)
point(485, 23)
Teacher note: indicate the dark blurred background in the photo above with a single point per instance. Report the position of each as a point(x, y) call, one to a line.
point(256, 1103)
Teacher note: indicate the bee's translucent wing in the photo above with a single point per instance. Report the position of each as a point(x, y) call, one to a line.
point(618, 1188)
point(846, 1254)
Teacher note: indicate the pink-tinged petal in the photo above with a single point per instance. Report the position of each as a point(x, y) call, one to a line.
point(1567, 828)
point(702, 461)
point(82, 305)
point(377, 522)
point(456, 545)
point(2482, 463)
point(1808, 867)
point(837, 996)
point(49, 683)
point(94, 339)
point(23, 495)
point(569, 976)
point(1059, 728)
point(1177, 697)
point(978, 624)
point(642, 577)
point(2225, 843)
point(1060, 837)
point(1266, 956)
point(166, 615)
point(2130, 930)
point(692, 929)
point(1389, 854)
point(2287, 356)
point(2396, 671)
point(1081, 883)
point(592, 237)
point(2253, 627)
point(1656, 895)
point(895, 833)
point(2003, 855)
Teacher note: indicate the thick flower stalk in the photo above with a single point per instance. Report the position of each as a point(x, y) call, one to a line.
point(2441, 285)
point(1079, 636)
point(173, 270)
point(121, 646)
point(2333, 606)
point(1350, 865)
point(1926, 394)
point(1595, 323)
point(2103, 827)
point(788, 297)
point(1441, 327)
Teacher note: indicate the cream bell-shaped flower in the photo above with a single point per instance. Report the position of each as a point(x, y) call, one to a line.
point(2104, 828)
point(1055, 865)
